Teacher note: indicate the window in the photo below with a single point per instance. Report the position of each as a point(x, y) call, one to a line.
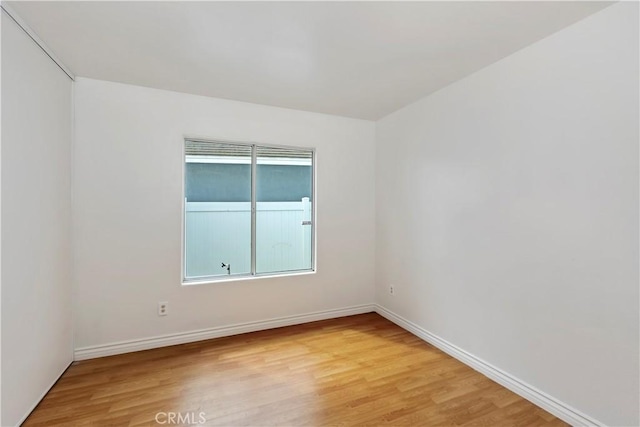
point(248, 210)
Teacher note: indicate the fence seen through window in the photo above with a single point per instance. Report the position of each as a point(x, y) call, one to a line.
point(248, 210)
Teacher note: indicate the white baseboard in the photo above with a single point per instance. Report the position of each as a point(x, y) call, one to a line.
point(532, 394)
point(538, 397)
point(217, 332)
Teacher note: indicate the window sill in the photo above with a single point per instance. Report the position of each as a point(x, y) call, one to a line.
point(224, 279)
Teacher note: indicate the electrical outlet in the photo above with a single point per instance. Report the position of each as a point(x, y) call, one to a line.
point(392, 291)
point(163, 308)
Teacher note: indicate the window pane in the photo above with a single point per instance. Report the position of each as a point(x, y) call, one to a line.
point(283, 210)
point(217, 209)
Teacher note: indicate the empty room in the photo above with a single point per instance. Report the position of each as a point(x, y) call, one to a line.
point(320, 213)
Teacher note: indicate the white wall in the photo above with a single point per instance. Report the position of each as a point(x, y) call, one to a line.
point(507, 214)
point(36, 208)
point(127, 213)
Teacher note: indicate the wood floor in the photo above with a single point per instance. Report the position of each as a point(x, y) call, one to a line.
point(358, 370)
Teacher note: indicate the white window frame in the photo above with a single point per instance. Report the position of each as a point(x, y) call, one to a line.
point(284, 161)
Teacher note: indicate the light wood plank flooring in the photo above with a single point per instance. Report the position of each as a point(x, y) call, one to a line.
point(358, 370)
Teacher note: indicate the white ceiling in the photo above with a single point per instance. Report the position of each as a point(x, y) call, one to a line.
point(354, 59)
